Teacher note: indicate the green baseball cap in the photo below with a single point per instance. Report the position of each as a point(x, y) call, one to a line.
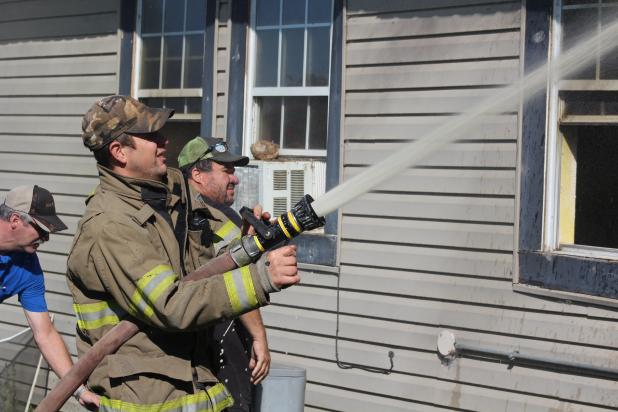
point(211, 148)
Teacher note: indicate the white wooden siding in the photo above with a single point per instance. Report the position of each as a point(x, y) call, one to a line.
point(56, 58)
point(432, 248)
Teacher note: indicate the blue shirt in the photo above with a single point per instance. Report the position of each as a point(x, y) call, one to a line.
point(21, 274)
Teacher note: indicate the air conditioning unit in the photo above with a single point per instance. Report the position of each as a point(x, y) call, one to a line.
point(279, 185)
point(283, 184)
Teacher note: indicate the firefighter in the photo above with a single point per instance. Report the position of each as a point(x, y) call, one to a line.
point(127, 260)
point(240, 347)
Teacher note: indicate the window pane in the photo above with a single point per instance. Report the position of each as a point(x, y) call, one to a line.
point(152, 15)
point(292, 48)
point(267, 13)
point(318, 56)
point(196, 14)
point(266, 52)
point(172, 49)
point(318, 115)
point(152, 102)
point(176, 103)
point(575, 25)
point(194, 105)
point(174, 13)
point(151, 63)
point(294, 122)
point(293, 12)
point(194, 52)
point(609, 61)
point(590, 103)
point(269, 118)
point(596, 203)
point(320, 11)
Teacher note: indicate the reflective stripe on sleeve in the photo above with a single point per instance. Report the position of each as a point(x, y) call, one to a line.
point(215, 399)
point(226, 233)
point(95, 315)
point(240, 289)
point(150, 287)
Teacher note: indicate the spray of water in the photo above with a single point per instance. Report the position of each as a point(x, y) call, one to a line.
point(504, 99)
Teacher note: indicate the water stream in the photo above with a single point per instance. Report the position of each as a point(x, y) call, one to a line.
point(505, 99)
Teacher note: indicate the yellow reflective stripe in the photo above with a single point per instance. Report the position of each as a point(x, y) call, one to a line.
point(215, 399)
point(150, 287)
point(283, 228)
point(231, 291)
point(95, 315)
point(226, 233)
point(257, 242)
point(292, 220)
point(225, 230)
point(249, 288)
point(240, 289)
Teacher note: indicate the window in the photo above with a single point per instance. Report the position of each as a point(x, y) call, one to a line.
point(569, 173)
point(289, 74)
point(170, 55)
point(584, 120)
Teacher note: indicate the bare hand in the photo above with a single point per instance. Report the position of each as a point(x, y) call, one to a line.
point(282, 266)
point(260, 361)
point(89, 400)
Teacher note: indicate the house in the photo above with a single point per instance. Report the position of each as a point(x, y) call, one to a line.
point(505, 237)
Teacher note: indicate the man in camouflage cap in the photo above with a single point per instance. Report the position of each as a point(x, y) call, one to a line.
point(112, 116)
point(127, 260)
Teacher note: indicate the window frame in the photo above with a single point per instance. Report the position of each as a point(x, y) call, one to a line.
point(541, 269)
point(285, 91)
point(181, 92)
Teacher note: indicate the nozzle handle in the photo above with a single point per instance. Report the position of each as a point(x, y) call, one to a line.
point(259, 226)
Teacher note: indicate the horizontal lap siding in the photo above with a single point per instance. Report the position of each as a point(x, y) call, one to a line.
point(56, 59)
point(432, 247)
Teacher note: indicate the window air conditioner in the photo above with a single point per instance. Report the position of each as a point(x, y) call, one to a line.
point(283, 184)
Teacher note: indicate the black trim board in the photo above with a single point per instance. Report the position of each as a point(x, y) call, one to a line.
point(532, 169)
point(573, 274)
point(316, 249)
point(236, 87)
point(333, 141)
point(128, 13)
point(208, 71)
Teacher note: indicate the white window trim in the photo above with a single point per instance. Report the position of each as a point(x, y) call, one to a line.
point(551, 218)
point(137, 64)
point(252, 92)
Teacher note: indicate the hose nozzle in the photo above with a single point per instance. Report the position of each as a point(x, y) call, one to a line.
point(300, 218)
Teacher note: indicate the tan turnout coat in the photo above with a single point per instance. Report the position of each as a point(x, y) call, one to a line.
point(125, 263)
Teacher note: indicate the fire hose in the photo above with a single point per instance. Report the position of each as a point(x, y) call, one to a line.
point(245, 250)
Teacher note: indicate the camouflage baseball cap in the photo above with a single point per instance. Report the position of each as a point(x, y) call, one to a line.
point(113, 115)
point(208, 148)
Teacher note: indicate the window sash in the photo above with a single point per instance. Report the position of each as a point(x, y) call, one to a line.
point(299, 91)
point(554, 154)
point(137, 91)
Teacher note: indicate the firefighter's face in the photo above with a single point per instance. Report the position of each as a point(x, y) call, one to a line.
point(219, 184)
point(147, 160)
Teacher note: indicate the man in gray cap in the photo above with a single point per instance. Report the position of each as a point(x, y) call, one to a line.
point(27, 217)
point(127, 260)
point(241, 350)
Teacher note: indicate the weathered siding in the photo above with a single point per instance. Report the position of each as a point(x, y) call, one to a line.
point(56, 58)
point(222, 64)
point(433, 247)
